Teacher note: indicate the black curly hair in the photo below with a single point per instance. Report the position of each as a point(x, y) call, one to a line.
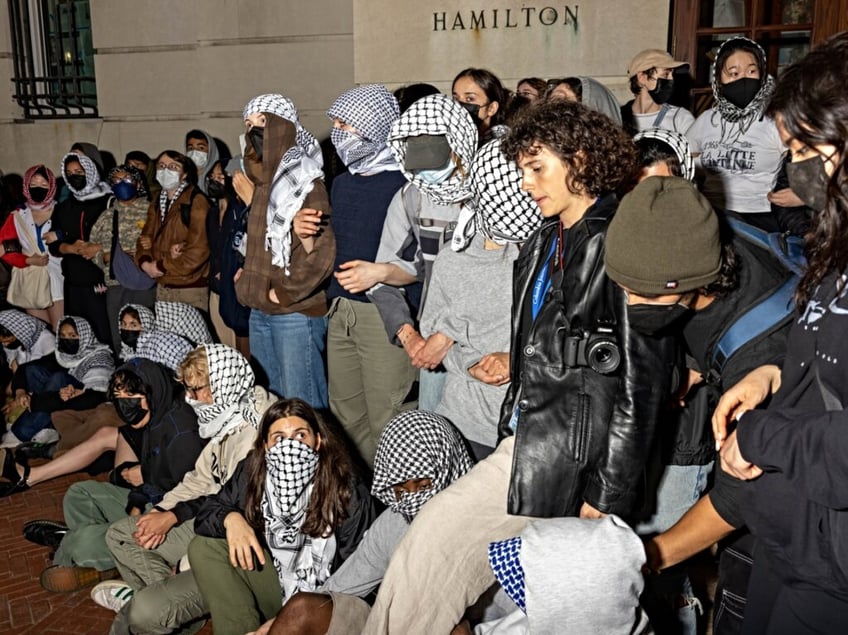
point(600, 156)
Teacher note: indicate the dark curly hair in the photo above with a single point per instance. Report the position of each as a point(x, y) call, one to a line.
point(811, 104)
point(600, 156)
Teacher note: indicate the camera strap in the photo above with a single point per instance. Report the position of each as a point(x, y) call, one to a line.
point(553, 261)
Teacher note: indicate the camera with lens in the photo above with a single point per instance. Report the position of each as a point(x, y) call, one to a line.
point(596, 349)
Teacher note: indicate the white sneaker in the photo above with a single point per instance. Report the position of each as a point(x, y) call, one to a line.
point(112, 594)
point(46, 435)
point(9, 440)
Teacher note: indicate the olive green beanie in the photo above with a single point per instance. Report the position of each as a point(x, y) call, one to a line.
point(663, 239)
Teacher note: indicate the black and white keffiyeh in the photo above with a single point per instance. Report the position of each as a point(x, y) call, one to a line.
point(677, 142)
point(148, 324)
point(501, 210)
point(168, 349)
point(417, 444)
point(182, 319)
point(302, 562)
point(293, 180)
point(165, 203)
point(231, 381)
point(372, 110)
point(177, 318)
point(92, 364)
point(728, 113)
point(94, 187)
point(438, 115)
point(23, 326)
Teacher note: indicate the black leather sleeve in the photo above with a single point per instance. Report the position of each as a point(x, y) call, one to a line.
point(645, 387)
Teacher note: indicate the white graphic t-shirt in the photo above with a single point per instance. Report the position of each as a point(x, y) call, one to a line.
point(739, 169)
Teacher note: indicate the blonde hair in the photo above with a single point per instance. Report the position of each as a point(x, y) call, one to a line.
point(194, 367)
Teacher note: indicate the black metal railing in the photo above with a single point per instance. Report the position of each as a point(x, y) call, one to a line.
point(50, 80)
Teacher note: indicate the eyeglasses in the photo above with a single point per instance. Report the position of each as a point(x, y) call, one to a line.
point(176, 167)
point(193, 390)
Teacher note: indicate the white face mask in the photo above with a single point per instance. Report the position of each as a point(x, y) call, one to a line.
point(168, 179)
point(439, 175)
point(199, 157)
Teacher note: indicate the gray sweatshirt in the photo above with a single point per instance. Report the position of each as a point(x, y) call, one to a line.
point(469, 299)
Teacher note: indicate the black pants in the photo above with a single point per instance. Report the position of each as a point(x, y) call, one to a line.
point(777, 608)
point(87, 303)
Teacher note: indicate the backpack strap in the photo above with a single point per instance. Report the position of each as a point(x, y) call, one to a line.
point(660, 115)
point(774, 309)
point(789, 250)
point(752, 324)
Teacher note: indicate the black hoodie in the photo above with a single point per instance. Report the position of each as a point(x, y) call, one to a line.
point(168, 445)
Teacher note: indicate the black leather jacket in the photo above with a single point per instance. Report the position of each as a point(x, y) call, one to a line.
point(581, 435)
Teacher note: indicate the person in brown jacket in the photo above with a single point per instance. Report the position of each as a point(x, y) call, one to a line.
point(290, 249)
point(173, 247)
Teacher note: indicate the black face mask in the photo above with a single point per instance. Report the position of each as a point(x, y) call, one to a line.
point(256, 136)
point(808, 180)
point(742, 91)
point(129, 409)
point(663, 90)
point(216, 190)
point(13, 345)
point(37, 194)
point(473, 110)
point(130, 338)
point(650, 319)
point(68, 345)
point(76, 181)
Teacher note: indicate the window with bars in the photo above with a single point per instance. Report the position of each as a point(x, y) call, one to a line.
point(53, 58)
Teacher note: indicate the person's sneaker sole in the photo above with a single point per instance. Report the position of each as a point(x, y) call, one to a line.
point(58, 579)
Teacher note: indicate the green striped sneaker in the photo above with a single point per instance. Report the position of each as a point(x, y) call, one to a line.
point(112, 594)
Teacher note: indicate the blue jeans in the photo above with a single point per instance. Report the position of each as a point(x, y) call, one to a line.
point(290, 348)
point(40, 380)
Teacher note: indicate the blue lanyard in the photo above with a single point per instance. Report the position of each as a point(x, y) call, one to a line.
point(543, 282)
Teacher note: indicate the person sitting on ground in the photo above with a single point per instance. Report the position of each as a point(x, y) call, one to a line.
point(298, 490)
point(75, 380)
point(85, 436)
point(419, 455)
point(220, 386)
point(24, 339)
point(178, 318)
point(570, 575)
point(162, 442)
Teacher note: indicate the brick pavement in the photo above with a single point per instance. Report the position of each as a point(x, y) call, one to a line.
point(26, 608)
